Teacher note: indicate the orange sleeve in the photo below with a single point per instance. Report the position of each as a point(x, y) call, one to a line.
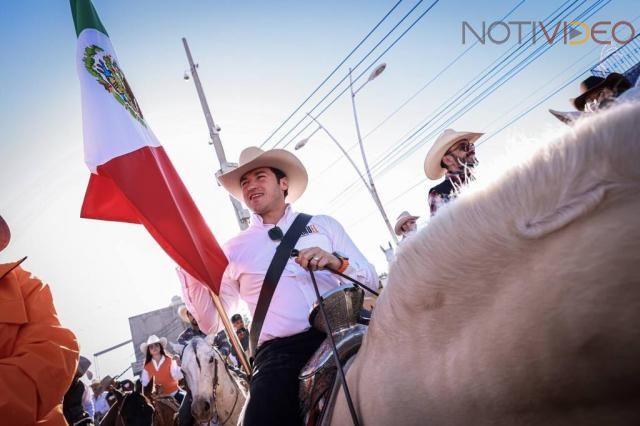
point(43, 362)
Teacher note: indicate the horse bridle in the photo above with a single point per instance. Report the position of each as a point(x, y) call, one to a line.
point(215, 387)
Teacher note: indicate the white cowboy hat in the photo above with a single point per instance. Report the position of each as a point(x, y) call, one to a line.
point(404, 217)
point(446, 140)
point(5, 234)
point(151, 340)
point(182, 313)
point(253, 157)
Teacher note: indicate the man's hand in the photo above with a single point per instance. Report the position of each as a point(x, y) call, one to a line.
point(314, 258)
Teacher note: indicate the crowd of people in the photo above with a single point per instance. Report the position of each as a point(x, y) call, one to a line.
point(40, 359)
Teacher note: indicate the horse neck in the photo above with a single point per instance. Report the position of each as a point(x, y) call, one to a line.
point(230, 395)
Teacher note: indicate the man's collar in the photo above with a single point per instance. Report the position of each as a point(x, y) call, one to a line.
point(289, 215)
point(457, 177)
point(8, 267)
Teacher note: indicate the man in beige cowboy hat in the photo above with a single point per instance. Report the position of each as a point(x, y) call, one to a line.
point(453, 156)
point(268, 182)
point(406, 225)
point(38, 357)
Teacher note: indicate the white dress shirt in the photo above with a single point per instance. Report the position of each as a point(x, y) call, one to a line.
point(250, 254)
point(100, 403)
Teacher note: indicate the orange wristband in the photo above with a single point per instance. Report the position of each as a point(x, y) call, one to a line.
point(343, 266)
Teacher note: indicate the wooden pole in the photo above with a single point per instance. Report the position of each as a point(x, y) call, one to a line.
point(233, 337)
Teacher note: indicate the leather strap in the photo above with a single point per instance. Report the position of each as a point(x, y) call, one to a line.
point(274, 272)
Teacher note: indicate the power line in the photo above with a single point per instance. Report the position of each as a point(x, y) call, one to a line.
point(485, 77)
point(571, 80)
point(497, 84)
point(355, 79)
point(434, 78)
point(331, 73)
point(502, 80)
point(414, 95)
point(396, 149)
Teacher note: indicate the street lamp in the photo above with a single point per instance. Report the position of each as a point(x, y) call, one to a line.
point(368, 184)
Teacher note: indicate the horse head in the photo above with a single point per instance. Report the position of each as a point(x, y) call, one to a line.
point(136, 409)
point(202, 366)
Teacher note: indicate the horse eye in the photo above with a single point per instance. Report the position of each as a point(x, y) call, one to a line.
point(210, 360)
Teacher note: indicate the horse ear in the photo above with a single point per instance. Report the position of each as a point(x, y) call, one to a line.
point(138, 386)
point(561, 214)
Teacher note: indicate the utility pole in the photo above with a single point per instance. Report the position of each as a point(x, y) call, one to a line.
point(242, 215)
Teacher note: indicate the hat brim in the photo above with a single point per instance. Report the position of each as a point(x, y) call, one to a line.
point(162, 341)
point(432, 168)
point(5, 234)
point(610, 82)
point(567, 117)
point(277, 158)
point(182, 313)
point(401, 222)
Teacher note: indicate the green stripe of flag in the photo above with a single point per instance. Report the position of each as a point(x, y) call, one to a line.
point(85, 16)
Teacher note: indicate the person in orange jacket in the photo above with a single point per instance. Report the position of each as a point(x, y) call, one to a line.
point(38, 357)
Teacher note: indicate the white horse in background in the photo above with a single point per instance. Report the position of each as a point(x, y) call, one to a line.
point(519, 303)
point(218, 391)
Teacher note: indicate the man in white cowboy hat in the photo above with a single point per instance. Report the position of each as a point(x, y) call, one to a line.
point(406, 225)
point(38, 357)
point(99, 397)
point(453, 156)
point(268, 182)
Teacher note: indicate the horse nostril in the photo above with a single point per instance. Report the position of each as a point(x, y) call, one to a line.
point(207, 406)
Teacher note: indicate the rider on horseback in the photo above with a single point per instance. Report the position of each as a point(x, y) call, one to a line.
point(263, 180)
point(161, 367)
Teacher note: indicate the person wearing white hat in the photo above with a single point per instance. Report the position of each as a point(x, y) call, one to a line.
point(453, 156)
point(38, 357)
point(406, 225)
point(161, 366)
point(268, 182)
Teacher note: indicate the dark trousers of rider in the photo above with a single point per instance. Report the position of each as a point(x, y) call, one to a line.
point(184, 412)
point(273, 396)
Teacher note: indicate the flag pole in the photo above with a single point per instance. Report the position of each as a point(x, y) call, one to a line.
point(233, 337)
point(241, 214)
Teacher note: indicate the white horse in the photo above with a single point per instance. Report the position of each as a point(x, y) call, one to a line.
point(217, 389)
point(519, 304)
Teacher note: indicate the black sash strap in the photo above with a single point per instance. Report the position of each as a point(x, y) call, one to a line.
point(280, 258)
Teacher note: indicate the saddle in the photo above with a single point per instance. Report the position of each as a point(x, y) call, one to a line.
point(318, 377)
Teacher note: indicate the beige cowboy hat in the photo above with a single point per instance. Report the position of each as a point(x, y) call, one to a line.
point(151, 340)
point(446, 140)
point(101, 385)
point(5, 234)
point(182, 313)
point(404, 217)
point(253, 157)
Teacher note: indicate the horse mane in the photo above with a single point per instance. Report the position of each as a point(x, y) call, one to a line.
point(569, 176)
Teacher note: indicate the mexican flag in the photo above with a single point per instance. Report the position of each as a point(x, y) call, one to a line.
point(132, 179)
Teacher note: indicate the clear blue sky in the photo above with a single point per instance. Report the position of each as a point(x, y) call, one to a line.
point(258, 60)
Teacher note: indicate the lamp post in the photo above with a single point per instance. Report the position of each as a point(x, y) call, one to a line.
point(370, 185)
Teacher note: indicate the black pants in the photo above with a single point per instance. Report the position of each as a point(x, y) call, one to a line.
point(184, 412)
point(273, 398)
